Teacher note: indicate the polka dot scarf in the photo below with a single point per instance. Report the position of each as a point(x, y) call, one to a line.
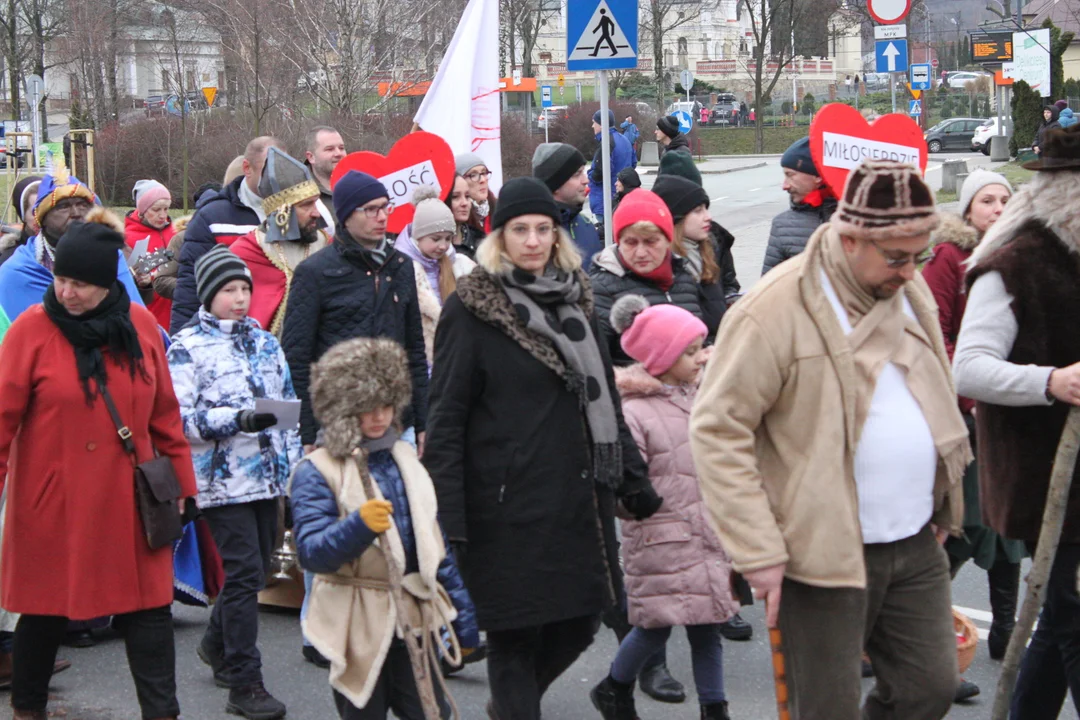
point(548, 306)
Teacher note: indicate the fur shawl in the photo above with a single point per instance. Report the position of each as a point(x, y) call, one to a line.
point(483, 295)
point(954, 230)
point(1048, 199)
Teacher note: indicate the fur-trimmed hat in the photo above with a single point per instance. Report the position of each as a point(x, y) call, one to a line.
point(354, 377)
point(883, 200)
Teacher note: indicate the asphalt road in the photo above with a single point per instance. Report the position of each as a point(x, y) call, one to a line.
point(98, 686)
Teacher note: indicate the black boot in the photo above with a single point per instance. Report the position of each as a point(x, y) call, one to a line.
point(715, 711)
point(965, 690)
point(254, 703)
point(737, 629)
point(1004, 580)
point(657, 683)
point(213, 658)
point(614, 700)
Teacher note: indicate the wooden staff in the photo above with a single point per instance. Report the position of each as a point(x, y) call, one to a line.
point(779, 673)
point(1049, 537)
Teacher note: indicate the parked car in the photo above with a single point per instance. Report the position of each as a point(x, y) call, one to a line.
point(155, 105)
point(723, 112)
point(952, 134)
point(981, 140)
point(959, 80)
point(552, 115)
point(693, 107)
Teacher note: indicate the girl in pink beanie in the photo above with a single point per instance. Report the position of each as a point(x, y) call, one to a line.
point(677, 573)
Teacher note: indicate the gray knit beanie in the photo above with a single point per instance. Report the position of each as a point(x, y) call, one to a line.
point(214, 270)
point(432, 215)
point(555, 163)
point(467, 161)
point(976, 181)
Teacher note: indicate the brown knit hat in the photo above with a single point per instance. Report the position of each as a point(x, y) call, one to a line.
point(885, 200)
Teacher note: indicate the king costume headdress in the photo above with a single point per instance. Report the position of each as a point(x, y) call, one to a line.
point(285, 182)
point(56, 186)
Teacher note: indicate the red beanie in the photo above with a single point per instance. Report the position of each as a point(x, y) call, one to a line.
point(642, 206)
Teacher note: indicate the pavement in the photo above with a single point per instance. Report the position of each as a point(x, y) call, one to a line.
point(98, 686)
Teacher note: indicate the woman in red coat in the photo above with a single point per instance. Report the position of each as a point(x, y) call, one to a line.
point(74, 546)
point(150, 221)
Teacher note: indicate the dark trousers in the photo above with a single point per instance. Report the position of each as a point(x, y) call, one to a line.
point(903, 619)
point(395, 690)
point(245, 536)
point(148, 637)
point(1051, 664)
point(523, 663)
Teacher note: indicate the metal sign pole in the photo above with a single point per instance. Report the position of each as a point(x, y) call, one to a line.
point(605, 155)
point(892, 86)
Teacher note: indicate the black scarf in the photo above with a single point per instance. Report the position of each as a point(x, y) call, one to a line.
point(108, 325)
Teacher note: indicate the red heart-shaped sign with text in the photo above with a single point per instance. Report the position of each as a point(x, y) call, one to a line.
point(419, 158)
point(840, 138)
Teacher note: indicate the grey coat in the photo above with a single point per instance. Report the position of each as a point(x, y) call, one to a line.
point(791, 230)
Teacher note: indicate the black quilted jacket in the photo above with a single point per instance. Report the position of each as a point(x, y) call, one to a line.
point(610, 281)
point(792, 228)
point(339, 293)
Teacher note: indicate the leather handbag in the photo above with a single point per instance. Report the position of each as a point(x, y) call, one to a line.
point(157, 488)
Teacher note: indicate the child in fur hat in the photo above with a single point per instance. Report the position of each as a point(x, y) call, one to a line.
point(364, 514)
point(668, 584)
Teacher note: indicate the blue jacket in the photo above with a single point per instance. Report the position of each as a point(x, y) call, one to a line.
point(582, 232)
point(622, 157)
point(630, 132)
point(325, 541)
point(223, 219)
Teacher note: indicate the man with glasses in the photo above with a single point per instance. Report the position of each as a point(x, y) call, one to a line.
point(830, 452)
point(358, 286)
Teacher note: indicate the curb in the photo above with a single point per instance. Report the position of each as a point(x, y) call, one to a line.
point(653, 171)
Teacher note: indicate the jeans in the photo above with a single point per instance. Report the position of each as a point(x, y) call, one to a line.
point(245, 534)
point(522, 663)
point(707, 653)
point(1051, 664)
point(394, 690)
point(151, 654)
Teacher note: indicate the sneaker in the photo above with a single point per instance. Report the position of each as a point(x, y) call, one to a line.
point(615, 701)
point(737, 629)
point(965, 691)
point(315, 657)
point(254, 703)
point(214, 660)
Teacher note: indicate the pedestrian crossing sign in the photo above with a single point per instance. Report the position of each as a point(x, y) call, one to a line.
point(601, 34)
point(915, 108)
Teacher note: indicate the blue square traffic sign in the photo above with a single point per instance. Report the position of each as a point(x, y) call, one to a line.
point(891, 56)
point(601, 34)
point(545, 96)
point(920, 76)
point(915, 108)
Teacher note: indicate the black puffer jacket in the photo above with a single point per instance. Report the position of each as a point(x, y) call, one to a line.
point(340, 293)
point(610, 281)
point(792, 228)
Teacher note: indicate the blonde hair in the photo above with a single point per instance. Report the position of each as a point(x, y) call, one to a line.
point(447, 281)
point(235, 170)
point(710, 268)
point(492, 256)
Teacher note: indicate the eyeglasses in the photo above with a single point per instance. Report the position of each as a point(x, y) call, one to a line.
point(894, 263)
point(373, 212)
point(477, 176)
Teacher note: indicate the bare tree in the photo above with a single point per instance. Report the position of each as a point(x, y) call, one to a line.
point(43, 21)
point(525, 19)
point(658, 18)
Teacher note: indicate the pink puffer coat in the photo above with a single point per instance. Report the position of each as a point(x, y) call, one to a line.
point(677, 573)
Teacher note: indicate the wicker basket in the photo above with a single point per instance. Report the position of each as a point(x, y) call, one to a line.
point(966, 641)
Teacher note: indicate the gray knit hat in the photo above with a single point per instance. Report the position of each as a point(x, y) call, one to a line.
point(976, 181)
point(885, 200)
point(555, 163)
point(467, 161)
point(216, 269)
point(432, 215)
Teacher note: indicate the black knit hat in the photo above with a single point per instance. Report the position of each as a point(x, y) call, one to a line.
point(668, 125)
point(524, 196)
point(88, 250)
point(629, 178)
point(215, 270)
point(555, 163)
point(680, 195)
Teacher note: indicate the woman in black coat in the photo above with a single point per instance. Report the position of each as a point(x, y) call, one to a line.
point(528, 449)
point(642, 263)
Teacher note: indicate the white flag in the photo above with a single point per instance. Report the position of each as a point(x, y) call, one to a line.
point(462, 105)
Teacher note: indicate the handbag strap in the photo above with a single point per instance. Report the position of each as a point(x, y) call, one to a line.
point(121, 429)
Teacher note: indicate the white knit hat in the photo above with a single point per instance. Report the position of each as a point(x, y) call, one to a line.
point(976, 181)
point(431, 214)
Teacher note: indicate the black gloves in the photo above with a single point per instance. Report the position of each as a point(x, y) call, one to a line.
point(643, 503)
point(251, 421)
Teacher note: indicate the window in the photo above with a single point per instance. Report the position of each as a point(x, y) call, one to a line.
point(165, 84)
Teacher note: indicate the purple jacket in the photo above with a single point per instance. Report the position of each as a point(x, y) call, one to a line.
point(677, 573)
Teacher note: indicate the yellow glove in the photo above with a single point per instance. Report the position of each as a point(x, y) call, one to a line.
point(376, 515)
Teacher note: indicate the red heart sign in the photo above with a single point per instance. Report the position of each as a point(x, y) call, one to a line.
point(840, 138)
point(419, 158)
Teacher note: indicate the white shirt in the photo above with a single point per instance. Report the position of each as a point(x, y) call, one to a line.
point(896, 460)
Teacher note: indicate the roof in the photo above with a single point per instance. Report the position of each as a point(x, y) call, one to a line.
point(1059, 11)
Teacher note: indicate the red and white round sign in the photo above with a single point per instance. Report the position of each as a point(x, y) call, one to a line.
point(888, 12)
point(934, 62)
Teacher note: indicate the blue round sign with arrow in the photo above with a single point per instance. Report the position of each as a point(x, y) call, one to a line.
point(686, 121)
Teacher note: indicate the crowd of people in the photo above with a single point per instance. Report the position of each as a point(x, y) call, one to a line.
point(507, 427)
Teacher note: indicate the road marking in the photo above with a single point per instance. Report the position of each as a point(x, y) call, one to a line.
point(757, 189)
point(725, 197)
point(974, 614)
point(933, 168)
